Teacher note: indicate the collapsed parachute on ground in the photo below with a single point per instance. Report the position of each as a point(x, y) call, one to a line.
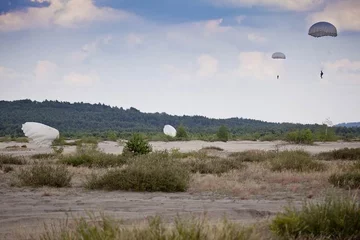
point(40, 133)
point(278, 55)
point(323, 29)
point(169, 130)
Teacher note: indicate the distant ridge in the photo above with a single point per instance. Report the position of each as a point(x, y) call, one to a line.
point(349, 125)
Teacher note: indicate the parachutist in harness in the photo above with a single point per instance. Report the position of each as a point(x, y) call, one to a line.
point(277, 76)
point(321, 74)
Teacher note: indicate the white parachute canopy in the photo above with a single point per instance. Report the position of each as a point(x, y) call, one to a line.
point(40, 133)
point(169, 130)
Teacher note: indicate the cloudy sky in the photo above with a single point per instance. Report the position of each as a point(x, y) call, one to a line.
point(192, 57)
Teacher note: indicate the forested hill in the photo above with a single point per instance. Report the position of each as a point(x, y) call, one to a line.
point(80, 118)
point(352, 124)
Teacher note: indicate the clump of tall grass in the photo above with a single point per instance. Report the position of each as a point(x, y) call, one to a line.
point(152, 172)
point(41, 174)
point(216, 166)
point(335, 218)
point(91, 156)
point(348, 180)
point(155, 229)
point(215, 148)
point(10, 159)
point(298, 160)
point(341, 154)
point(253, 155)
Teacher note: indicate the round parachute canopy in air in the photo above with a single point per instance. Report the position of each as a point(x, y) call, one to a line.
point(40, 133)
point(278, 55)
point(323, 29)
point(169, 130)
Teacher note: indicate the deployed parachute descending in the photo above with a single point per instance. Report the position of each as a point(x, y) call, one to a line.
point(169, 130)
point(323, 29)
point(40, 133)
point(278, 55)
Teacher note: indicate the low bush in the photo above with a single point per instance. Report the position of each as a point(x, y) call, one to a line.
point(41, 174)
point(214, 166)
point(253, 155)
point(90, 156)
point(335, 218)
point(137, 145)
point(298, 160)
point(152, 172)
point(349, 180)
point(10, 159)
point(213, 148)
point(340, 154)
point(43, 156)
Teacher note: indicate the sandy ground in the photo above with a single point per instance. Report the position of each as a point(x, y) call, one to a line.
point(232, 146)
point(27, 209)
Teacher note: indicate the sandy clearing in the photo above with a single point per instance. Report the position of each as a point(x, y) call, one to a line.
point(232, 146)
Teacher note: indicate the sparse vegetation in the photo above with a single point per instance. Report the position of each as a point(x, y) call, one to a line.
point(137, 145)
point(6, 168)
point(155, 229)
point(253, 155)
point(215, 165)
point(341, 154)
point(349, 180)
point(335, 218)
point(90, 156)
point(153, 172)
point(44, 156)
point(41, 174)
point(10, 159)
point(298, 160)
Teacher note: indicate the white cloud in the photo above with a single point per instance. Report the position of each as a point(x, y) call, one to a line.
point(78, 79)
point(292, 5)
point(90, 48)
point(343, 70)
point(256, 38)
point(64, 13)
point(345, 14)
point(45, 70)
point(134, 39)
point(259, 65)
point(208, 66)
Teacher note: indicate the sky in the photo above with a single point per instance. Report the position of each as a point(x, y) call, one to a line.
point(189, 57)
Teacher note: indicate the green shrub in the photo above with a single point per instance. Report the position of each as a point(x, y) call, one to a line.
point(298, 160)
point(223, 134)
point(341, 154)
point(346, 180)
point(152, 172)
point(181, 133)
point(304, 136)
point(253, 155)
point(335, 218)
point(41, 174)
point(10, 159)
point(137, 145)
point(93, 228)
point(90, 156)
point(215, 165)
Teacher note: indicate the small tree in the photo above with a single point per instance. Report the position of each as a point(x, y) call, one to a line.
point(223, 134)
point(181, 133)
point(137, 145)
